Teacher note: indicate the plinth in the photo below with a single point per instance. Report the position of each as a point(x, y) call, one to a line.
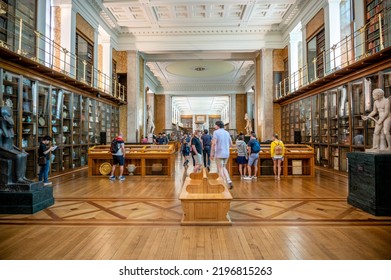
point(370, 182)
point(25, 199)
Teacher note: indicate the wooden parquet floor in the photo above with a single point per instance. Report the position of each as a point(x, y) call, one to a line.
point(295, 218)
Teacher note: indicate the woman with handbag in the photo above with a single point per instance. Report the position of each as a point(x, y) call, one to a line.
point(44, 160)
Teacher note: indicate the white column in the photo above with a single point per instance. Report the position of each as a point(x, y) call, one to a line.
point(168, 122)
point(333, 32)
point(264, 95)
point(232, 112)
point(132, 94)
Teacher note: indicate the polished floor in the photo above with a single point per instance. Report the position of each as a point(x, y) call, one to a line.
point(295, 218)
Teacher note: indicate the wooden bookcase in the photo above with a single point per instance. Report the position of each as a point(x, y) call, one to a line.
point(374, 18)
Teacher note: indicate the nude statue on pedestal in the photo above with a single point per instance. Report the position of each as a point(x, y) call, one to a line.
point(381, 107)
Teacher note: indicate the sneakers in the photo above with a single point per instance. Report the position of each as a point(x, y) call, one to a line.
point(112, 178)
point(122, 178)
point(247, 177)
point(254, 177)
point(47, 183)
point(208, 168)
point(230, 185)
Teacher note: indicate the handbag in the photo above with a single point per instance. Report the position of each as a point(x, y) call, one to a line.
point(42, 161)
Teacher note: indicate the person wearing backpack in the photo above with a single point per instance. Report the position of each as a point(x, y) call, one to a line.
point(117, 150)
point(241, 160)
point(253, 149)
point(277, 150)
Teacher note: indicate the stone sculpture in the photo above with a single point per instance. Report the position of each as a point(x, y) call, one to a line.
point(248, 127)
point(12, 160)
point(381, 107)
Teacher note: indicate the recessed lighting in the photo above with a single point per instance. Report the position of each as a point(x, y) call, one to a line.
point(199, 68)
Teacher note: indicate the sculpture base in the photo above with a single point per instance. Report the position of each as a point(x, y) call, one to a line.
point(27, 202)
point(369, 182)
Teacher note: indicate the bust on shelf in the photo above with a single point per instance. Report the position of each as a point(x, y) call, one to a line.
point(381, 107)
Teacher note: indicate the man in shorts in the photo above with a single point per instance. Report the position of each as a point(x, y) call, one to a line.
point(119, 158)
point(253, 156)
point(221, 142)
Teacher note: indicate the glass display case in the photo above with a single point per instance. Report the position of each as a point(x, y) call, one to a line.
point(76, 120)
point(306, 121)
point(358, 109)
point(66, 137)
point(324, 118)
point(333, 117)
point(315, 119)
point(387, 83)
point(40, 109)
point(43, 110)
point(343, 116)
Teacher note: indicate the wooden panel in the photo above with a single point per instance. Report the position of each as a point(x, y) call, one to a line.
point(241, 110)
point(121, 59)
point(85, 28)
point(315, 24)
point(279, 55)
point(160, 113)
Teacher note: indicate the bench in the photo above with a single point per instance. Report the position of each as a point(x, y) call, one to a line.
point(205, 200)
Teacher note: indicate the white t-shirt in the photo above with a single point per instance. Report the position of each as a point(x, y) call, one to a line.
point(223, 142)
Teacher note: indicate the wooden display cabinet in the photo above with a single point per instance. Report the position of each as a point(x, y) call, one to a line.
point(299, 160)
point(150, 160)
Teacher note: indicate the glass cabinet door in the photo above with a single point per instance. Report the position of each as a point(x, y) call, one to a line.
point(343, 116)
point(76, 119)
point(324, 118)
point(307, 112)
point(333, 116)
point(56, 124)
point(387, 83)
point(66, 138)
point(29, 114)
point(84, 121)
point(358, 107)
point(316, 119)
point(44, 106)
point(11, 99)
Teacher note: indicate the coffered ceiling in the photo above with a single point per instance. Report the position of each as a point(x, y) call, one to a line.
point(200, 50)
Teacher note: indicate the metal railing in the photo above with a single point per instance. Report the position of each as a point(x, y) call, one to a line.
point(21, 38)
point(368, 40)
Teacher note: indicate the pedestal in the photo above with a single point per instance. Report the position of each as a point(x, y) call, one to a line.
point(26, 202)
point(370, 182)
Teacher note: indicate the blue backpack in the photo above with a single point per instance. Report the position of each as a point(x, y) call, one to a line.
point(255, 147)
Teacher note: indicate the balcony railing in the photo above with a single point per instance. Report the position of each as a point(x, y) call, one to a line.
point(364, 42)
point(22, 39)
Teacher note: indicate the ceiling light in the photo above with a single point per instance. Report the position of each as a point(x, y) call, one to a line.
point(199, 68)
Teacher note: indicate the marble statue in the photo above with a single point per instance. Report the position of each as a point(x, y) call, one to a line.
point(150, 123)
point(381, 107)
point(12, 158)
point(248, 127)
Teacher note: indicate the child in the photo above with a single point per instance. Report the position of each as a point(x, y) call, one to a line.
point(241, 146)
point(185, 149)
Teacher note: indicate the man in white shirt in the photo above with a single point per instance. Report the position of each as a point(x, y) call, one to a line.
point(221, 142)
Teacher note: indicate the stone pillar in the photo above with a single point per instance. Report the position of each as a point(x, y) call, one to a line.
point(232, 112)
point(168, 112)
point(133, 87)
point(263, 111)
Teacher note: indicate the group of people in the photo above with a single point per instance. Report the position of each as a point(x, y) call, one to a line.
point(248, 155)
point(203, 148)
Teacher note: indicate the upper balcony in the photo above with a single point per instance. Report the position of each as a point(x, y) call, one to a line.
point(370, 46)
point(25, 46)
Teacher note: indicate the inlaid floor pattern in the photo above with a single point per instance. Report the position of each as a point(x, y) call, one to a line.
point(169, 212)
